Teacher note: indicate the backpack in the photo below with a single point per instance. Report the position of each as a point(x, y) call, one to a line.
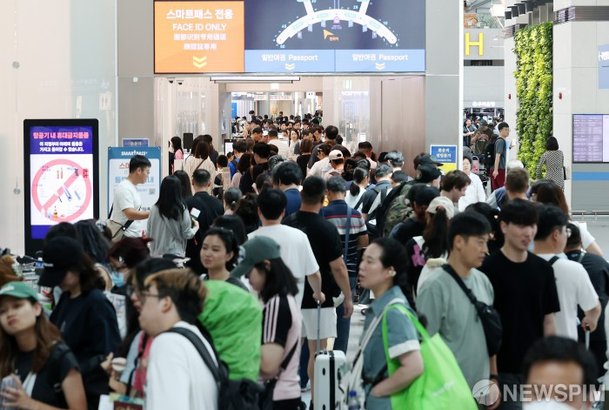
point(489, 155)
point(395, 208)
point(373, 230)
point(232, 317)
point(232, 395)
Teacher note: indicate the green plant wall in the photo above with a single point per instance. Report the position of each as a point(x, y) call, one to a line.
point(534, 91)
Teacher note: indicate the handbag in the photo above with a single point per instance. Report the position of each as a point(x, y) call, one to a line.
point(266, 397)
point(491, 321)
point(117, 230)
point(441, 385)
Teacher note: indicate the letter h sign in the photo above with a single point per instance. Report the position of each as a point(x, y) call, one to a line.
point(479, 43)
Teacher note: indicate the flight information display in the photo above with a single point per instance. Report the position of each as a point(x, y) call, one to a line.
point(289, 36)
point(590, 138)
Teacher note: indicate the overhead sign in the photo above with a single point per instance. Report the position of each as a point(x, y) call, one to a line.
point(447, 155)
point(118, 169)
point(136, 142)
point(198, 36)
point(289, 36)
point(61, 172)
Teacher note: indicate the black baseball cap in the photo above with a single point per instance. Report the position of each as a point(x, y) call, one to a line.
point(59, 255)
point(427, 173)
point(429, 160)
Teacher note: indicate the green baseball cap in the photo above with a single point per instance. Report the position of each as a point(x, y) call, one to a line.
point(254, 251)
point(19, 290)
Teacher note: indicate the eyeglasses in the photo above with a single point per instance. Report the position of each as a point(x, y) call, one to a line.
point(140, 294)
point(143, 295)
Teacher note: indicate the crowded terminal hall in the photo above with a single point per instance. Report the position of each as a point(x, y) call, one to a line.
point(313, 205)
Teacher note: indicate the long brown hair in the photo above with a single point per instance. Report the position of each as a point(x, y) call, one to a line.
point(47, 335)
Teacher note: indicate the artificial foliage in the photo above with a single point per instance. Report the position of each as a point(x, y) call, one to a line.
point(533, 48)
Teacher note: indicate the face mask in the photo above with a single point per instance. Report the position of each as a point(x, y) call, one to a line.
point(117, 279)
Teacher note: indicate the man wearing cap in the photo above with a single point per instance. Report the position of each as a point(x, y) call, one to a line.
point(337, 162)
point(127, 203)
point(428, 174)
point(426, 159)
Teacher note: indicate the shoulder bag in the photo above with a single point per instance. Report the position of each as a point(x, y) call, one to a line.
point(491, 321)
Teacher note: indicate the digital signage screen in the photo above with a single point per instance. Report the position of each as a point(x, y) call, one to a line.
point(289, 36)
point(590, 138)
point(61, 175)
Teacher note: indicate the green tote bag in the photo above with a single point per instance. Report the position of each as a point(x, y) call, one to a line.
point(441, 385)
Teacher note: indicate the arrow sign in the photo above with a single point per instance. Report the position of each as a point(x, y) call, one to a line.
point(199, 62)
point(327, 34)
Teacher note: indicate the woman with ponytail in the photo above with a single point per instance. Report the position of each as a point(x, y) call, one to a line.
point(357, 188)
point(383, 271)
point(231, 200)
point(430, 250)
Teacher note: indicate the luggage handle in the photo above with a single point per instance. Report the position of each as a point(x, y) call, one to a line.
point(318, 341)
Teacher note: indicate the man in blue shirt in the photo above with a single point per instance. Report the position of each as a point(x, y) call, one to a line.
point(239, 148)
point(287, 176)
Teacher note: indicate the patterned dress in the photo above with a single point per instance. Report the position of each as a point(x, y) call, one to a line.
point(554, 162)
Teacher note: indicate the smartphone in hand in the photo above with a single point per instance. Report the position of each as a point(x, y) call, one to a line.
point(194, 213)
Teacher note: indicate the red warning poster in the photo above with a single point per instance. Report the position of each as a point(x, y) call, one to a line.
point(61, 171)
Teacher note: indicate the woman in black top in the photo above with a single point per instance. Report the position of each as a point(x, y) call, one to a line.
point(306, 146)
point(84, 315)
point(45, 372)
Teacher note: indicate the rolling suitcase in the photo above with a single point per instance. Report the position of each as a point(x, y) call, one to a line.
point(330, 366)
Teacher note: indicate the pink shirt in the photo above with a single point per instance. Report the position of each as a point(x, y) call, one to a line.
point(282, 324)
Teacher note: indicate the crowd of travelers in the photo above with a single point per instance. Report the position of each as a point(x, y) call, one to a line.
point(221, 293)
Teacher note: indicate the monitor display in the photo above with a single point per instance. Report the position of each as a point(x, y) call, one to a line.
point(298, 36)
point(61, 174)
point(590, 138)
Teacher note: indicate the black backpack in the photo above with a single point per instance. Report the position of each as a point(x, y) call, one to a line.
point(232, 394)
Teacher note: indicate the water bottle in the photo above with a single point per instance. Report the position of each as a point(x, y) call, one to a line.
point(353, 402)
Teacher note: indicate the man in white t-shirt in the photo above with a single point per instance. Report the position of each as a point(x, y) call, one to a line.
point(572, 281)
point(177, 376)
point(294, 244)
point(127, 202)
